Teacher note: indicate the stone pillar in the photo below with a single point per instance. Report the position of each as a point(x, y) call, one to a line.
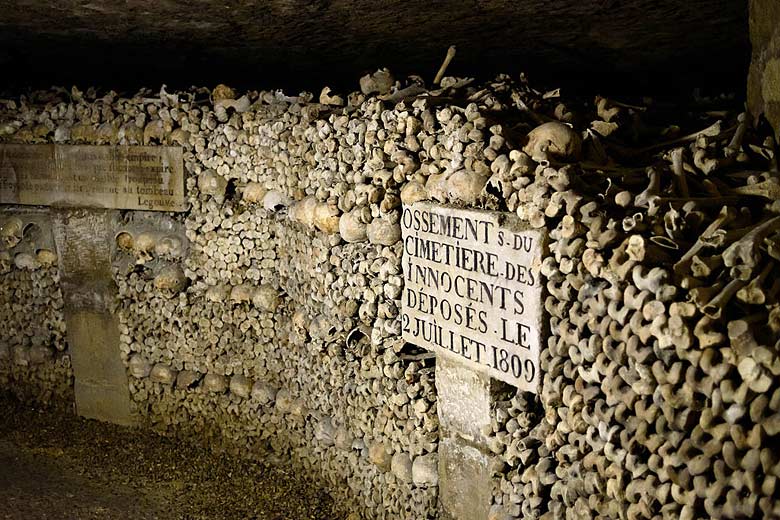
point(764, 77)
point(84, 239)
point(464, 401)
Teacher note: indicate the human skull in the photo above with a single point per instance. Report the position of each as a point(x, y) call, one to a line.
point(554, 139)
point(170, 281)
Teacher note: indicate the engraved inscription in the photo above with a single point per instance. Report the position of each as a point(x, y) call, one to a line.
point(120, 177)
point(472, 289)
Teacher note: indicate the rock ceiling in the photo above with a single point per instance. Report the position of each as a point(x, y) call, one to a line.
point(632, 45)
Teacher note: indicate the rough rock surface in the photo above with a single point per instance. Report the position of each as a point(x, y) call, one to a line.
point(287, 43)
point(764, 77)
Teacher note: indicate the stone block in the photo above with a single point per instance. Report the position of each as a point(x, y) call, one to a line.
point(465, 486)
point(84, 240)
point(103, 402)
point(94, 347)
point(464, 398)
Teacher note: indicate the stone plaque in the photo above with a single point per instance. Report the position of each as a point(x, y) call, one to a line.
point(473, 290)
point(118, 177)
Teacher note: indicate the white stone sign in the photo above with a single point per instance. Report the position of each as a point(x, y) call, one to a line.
point(473, 289)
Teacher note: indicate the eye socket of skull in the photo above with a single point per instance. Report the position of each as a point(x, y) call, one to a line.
point(31, 231)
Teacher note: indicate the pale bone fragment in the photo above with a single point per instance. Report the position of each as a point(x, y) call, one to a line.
point(326, 217)
point(240, 386)
point(180, 137)
point(465, 187)
point(155, 130)
point(241, 293)
point(170, 281)
point(651, 281)
point(634, 222)
point(215, 383)
point(143, 247)
point(700, 296)
point(624, 198)
point(649, 196)
point(753, 292)
point(188, 379)
point(253, 193)
point(383, 231)
point(5, 262)
point(11, 231)
point(217, 293)
point(746, 250)
point(239, 105)
point(139, 367)
point(266, 298)
point(675, 156)
point(709, 164)
point(555, 139)
point(275, 201)
point(619, 264)
point(162, 374)
point(674, 224)
point(304, 211)
point(726, 215)
point(125, 241)
point(263, 393)
point(436, 186)
point(413, 191)
point(741, 337)
point(768, 189)
point(735, 144)
point(26, 261)
point(352, 228)
point(593, 262)
point(170, 246)
point(714, 308)
point(222, 92)
point(706, 334)
point(606, 114)
point(327, 99)
point(446, 63)
point(754, 375)
point(703, 267)
point(380, 82)
point(211, 183)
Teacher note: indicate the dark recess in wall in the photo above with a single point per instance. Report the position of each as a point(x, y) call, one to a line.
point(658, 47)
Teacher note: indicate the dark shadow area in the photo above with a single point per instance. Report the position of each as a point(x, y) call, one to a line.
point(658, 47)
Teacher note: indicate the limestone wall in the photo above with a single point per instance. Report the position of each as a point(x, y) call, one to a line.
point(764, 77)
point(267, 319)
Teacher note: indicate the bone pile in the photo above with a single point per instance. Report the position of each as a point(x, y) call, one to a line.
point(267, 317)
point(33, 362)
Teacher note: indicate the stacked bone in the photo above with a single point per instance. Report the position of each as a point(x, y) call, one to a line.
point(658, 397)
point(658, 394)
point(33, 364)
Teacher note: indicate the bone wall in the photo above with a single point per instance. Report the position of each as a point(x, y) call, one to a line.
point(267, 317)
point(34, 360)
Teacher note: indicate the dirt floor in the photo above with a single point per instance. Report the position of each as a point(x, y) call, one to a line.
point(54, 465)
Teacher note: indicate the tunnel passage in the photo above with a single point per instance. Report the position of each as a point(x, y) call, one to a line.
point(276, 329)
